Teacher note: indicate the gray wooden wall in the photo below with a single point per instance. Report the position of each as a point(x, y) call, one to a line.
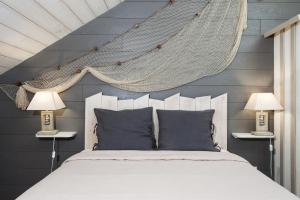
point(24, 159)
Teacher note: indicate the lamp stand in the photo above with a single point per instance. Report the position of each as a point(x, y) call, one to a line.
point(262, 124)
point(47, 123)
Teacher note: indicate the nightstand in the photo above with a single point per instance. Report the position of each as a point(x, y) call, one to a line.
point(60, 135)
point(249, 136)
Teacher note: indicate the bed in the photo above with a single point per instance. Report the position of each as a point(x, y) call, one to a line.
point(158, 175)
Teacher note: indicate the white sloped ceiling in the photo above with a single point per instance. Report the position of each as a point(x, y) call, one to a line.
point(29, 26)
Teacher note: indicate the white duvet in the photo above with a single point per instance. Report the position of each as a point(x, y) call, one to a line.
point(156, 175)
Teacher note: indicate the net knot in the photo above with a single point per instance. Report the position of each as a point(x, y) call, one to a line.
point(95, 49)
point(18, 83)
point(159, 46)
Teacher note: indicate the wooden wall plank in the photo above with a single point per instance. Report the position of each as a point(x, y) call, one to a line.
point(256, 44)
point(235, 93)
point(138, 9)
point(84, 43)
point(23, 176)
point(256, 61)
point(109, 26)
point(12, 191)
point(269, 10)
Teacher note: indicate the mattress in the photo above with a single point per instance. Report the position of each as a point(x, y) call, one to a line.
point(159, 175)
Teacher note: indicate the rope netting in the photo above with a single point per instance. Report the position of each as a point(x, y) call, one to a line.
point(182, 42)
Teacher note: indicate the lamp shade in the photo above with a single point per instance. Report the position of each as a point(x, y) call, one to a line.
point(46, 100)
point(263, 101)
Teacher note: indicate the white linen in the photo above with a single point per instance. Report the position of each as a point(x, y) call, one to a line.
point(159, 175)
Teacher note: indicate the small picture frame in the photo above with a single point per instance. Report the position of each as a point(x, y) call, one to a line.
point(47, 121)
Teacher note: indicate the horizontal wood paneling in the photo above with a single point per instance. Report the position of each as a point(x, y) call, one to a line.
point(108, 26)
point(138, 9)
point(12, 191)
point(235, 93)
point(22, 176)
point(26, 159)
point(273, 10)
point(82, 42)
point(230, 77)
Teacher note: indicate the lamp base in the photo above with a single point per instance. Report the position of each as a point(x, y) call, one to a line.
point(262, 133)
point(47, 120)
point(54, 132)
point(262, 120)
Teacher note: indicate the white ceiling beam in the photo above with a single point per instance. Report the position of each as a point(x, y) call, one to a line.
point(14, 52)
point(35, 13)
point(98, 6)
point(16, 21)
point(16, 39)
point(4, 69)
point(91, 8)
point(58, 9)
point(8, 61)
point(81, 9)
point(27, 27)
point(112, 3)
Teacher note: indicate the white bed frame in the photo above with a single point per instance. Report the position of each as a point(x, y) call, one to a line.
point(175, 102)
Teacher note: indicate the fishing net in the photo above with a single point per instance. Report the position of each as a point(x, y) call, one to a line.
point(182, 42)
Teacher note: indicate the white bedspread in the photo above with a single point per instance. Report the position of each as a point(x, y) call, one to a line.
point(156, 175)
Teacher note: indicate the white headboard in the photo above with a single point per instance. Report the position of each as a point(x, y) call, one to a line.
point(175, 102)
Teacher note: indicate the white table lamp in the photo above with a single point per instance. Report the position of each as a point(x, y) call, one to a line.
point(262, 102)
point(46, 101)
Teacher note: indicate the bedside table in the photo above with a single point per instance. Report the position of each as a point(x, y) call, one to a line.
point(249, 136)
point(60, 135)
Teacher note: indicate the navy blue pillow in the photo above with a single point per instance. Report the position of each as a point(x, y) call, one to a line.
point(185, 130)
point(125, 130)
